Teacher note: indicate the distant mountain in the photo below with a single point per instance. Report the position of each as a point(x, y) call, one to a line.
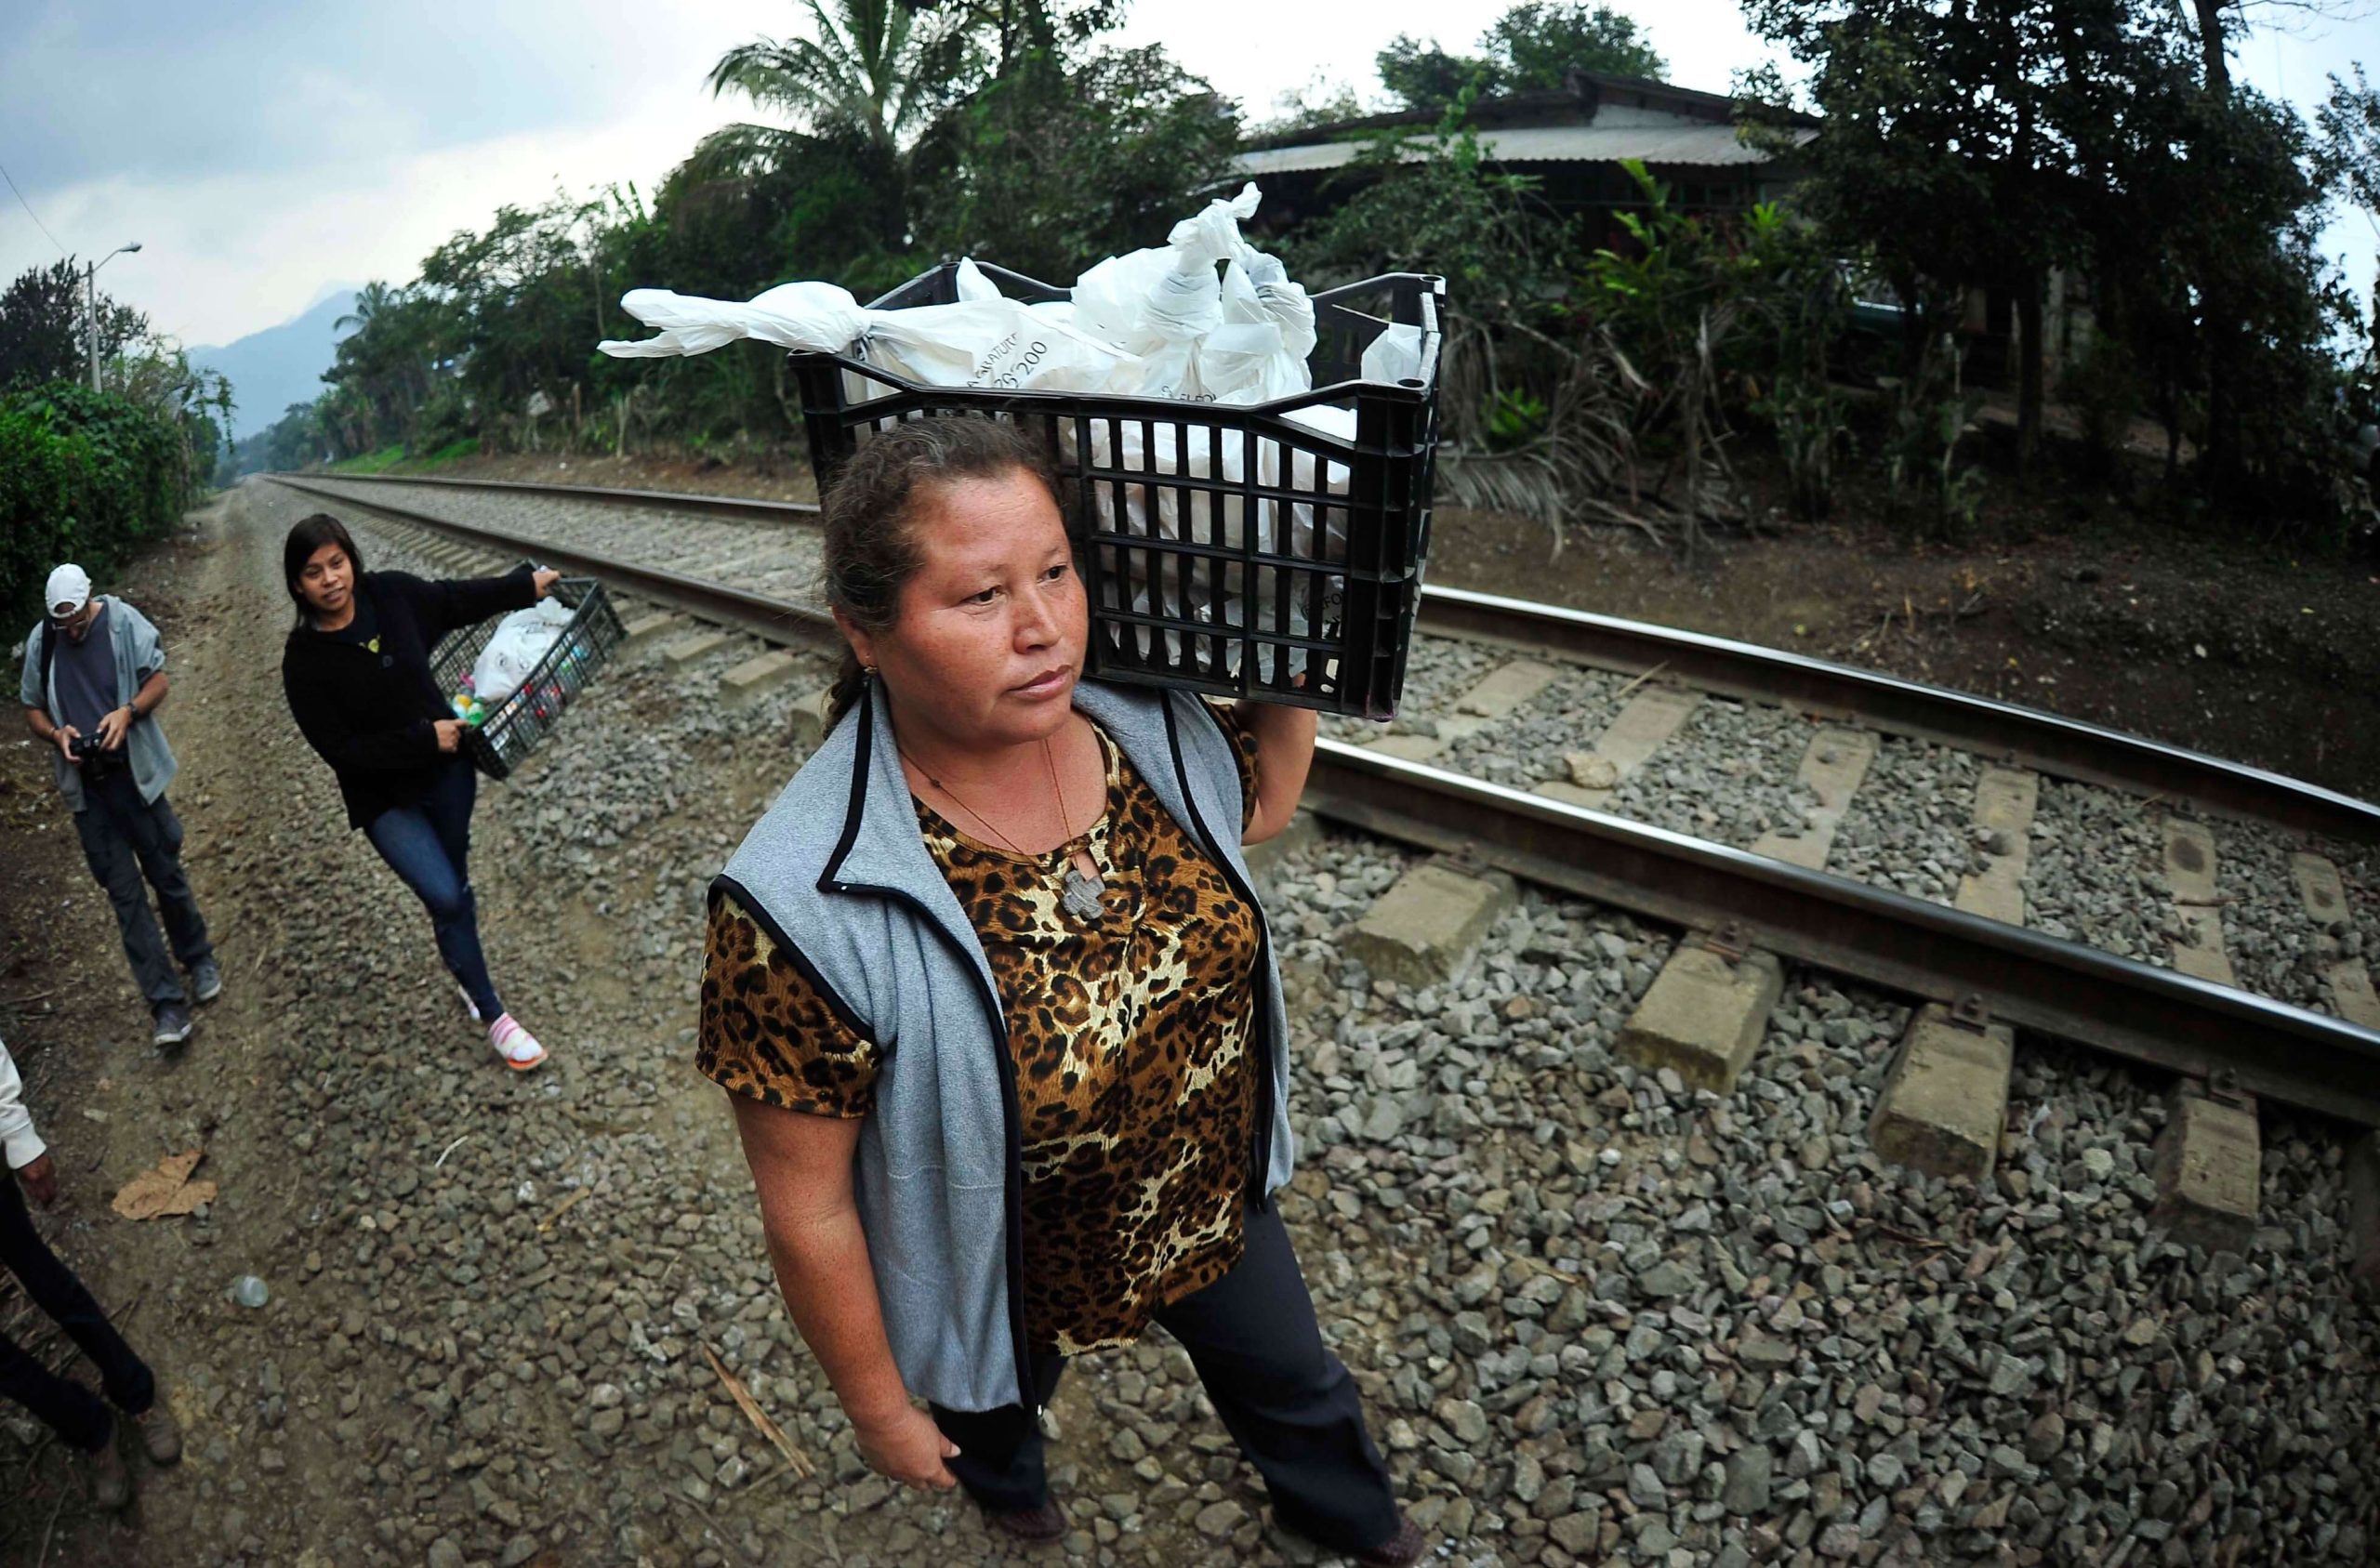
point(282, 365)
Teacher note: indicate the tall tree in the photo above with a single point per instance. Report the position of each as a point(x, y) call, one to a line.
point(1020, 29)
point(1540, 43)
point(44, 317)
point(1970, 142)
point(1059, 162)
point(1530, 47)
point(870, 80)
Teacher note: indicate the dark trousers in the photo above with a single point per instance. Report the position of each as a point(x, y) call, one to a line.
point(1286, 1399)
point(429, 845)
point(71, 1410)
point(125, 839)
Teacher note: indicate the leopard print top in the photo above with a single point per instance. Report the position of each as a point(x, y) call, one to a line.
point(1135, 1082)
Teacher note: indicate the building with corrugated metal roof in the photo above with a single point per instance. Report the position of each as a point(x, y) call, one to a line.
point(1570, 139)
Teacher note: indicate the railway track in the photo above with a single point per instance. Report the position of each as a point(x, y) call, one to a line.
point(1894, 832)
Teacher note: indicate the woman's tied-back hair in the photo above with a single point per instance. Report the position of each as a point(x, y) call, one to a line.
point(307, 535)
point(872, 547)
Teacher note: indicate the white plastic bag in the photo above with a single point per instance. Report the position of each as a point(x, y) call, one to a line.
point(513, 652)
point(1259, 351)
point(999, 345)
point(807, 318)
point(988, 341)
point(1396, 354)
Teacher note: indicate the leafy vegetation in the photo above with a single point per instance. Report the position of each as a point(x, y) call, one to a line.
point(1970, 151)
point(86, 475)
point(1997, 146)
point(2085, 162)
point(887, 135)
point(1531, 47)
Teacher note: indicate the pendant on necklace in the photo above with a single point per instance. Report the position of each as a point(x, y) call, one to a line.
point(1084, 887)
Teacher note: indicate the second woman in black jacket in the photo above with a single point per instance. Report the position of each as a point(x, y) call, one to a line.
point(356, 670)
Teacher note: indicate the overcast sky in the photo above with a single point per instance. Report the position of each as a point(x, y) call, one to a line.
point(264, 151)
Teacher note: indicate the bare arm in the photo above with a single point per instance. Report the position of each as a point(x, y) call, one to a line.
point(802, 1166)
point(1284, 754)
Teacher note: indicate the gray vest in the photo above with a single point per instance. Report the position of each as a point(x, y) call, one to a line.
point(836, 872)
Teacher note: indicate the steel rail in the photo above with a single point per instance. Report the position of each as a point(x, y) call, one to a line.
point(2119, 1006)
point(2047, 743)
point(777, 620)
point(671, 500)
point(2061, 748)
point(2160, 1017)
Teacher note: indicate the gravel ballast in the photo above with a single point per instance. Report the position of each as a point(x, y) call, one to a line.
point(1596, 1317)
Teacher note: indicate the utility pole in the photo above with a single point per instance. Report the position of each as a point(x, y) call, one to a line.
point(91, 305)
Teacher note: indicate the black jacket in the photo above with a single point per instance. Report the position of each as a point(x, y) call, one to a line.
point(369, 715)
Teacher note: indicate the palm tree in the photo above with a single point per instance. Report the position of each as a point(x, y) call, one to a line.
point(873, 76)
point(370, 301)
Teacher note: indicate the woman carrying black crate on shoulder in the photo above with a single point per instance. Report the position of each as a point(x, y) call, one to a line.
point(356, 670)
point(995, 1008)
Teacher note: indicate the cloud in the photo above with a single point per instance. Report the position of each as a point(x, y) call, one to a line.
point(141, 89)
point(259, 150)
point(226, 255)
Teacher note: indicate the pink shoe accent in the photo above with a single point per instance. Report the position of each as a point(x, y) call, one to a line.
point(517, 1045)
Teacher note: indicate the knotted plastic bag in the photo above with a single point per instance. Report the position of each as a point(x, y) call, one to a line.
point(514, 648)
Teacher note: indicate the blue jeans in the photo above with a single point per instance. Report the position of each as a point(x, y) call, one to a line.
point(429, 845)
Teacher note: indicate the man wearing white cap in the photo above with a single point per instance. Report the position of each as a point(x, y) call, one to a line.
point(95, 673)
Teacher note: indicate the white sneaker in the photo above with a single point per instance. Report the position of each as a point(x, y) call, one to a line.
point(516, 1044)
point(469, 1005)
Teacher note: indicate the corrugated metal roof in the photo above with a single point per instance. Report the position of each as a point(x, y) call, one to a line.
point(1705, 145)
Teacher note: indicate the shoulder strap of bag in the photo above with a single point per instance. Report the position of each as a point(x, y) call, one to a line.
point(49, 653)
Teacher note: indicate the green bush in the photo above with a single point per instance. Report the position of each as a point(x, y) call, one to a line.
point(85, 477)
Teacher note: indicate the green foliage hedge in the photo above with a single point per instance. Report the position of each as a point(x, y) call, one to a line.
point(85, 477)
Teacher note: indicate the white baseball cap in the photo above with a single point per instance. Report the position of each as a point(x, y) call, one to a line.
point(69, 590)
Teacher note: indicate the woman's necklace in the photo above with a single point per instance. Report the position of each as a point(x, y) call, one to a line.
point(1084, 884)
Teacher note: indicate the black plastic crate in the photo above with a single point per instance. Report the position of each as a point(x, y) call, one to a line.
point(514, 728)
point(1295, 577)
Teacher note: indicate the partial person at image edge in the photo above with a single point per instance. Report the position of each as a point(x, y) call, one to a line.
point(1008, 1051)
point(94, 699)
point(80, 1419)
point(356, 672)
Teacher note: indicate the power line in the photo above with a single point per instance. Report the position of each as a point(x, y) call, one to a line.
point(30, 213)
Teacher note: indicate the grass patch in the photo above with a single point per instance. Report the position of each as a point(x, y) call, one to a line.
point(453, 451)
point(370, 462)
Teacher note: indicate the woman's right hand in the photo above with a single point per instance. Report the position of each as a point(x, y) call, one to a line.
point(907, 1447)
point(450, 733)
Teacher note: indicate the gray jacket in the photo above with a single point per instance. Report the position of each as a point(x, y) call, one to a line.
point(139, 655)
point(841, 878)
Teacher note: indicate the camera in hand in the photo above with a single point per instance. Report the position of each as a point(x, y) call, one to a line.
point(88, 754)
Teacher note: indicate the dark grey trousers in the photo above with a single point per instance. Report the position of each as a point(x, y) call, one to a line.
point(1286, 1399)
point(126, 840)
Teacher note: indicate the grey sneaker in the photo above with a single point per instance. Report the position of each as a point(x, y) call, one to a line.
point(205, 980)
point(173, 1023)
point(111, 1484)
point(161, 1435)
